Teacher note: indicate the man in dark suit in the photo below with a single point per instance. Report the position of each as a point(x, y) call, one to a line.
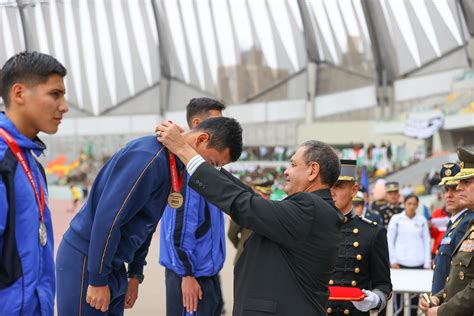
point(363, 260)
point(286, 264)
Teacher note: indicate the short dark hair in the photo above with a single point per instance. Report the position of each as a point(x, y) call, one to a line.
point(200, 106)
point(326, 157)
point(29, 68)
point(224, 132)
point(411, 196)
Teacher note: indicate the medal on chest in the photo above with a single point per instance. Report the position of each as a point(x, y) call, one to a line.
point(175, 198)
point(43, 235)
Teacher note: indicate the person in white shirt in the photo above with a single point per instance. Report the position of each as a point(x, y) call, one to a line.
point(409, 240)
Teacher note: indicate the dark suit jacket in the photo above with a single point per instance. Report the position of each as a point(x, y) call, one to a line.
point(286, 264)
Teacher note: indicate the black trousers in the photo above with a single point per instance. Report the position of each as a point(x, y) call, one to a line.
point(210, 305)
point(414, 300)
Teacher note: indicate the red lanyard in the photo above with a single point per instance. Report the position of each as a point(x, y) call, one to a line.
point(23, 162)
point(175, 182)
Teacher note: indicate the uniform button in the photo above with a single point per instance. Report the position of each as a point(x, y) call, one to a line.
point(359, 257)
point(434, 266)
point(329, 310)
point(452, 263)
point(355, 244)
point(356, 270)
point(331, 282)
point(355, 231)
point(461, 275)
point(353, 283)
point(444, 295)
point(346, 312)
point(345, 220)
point(447, 279)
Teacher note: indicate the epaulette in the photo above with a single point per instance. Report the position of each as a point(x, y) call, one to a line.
point(368, 221)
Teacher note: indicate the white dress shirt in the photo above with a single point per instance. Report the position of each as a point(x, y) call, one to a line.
point(409, 241)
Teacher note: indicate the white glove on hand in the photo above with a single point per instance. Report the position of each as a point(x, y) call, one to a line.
point(370, 301)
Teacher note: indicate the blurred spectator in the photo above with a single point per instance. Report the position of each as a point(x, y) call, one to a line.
point(76, 195)
point(409, 242)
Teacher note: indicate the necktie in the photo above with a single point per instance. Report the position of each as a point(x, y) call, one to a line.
point(449, 225)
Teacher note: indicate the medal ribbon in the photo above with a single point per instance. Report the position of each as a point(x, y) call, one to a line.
point(24, 164)
point(175, 182)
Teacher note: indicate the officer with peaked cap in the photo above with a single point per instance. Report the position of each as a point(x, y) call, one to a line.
point(457, 225)
point(393, 206)
point(363, 260)
point(457, 297)
point(358, 202)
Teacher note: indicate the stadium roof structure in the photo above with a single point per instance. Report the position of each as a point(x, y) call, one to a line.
point(149, 56)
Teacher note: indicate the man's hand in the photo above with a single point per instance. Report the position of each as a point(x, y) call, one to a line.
point(370, 301)
point(191, 293)
point(425, 306)
point(132, 293)
point(170, 135)
point(433, 311)
point(98, 297)
point(395, 266)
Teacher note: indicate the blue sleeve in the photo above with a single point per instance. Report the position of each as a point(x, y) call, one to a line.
point(186, 223)
point(129, 185)
point(139, 259)
point(3, 210)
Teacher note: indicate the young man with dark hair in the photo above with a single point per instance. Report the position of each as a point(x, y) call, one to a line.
point(286, 264)
point(198, 109)
point(32, 88)
point(117, 222)
point(192, 242)
point(363, 260)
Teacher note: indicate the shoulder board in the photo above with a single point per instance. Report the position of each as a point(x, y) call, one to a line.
point(380, 202)
point(368, 221)
point(375, 212)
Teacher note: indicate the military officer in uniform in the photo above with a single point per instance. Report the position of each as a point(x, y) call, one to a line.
point(457, 225)
point(457, 297)
point(363, 259)
point(358, 202)
point(392, 207)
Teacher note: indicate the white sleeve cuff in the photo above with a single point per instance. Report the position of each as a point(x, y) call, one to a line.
point(194, 163)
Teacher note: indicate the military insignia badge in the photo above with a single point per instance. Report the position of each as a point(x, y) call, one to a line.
point(448, 172)
point(462, 164)
point(467, 246)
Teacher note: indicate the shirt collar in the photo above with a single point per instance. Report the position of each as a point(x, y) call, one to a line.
point(455, 217)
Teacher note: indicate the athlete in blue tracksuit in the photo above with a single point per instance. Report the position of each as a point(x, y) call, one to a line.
point(114, 226)
point(192, 243)
point(27, 284)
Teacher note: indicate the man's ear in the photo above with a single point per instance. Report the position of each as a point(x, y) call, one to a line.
point(314, 171)
point(17, 93)
point(203, 137)
point(355, 189)
point(195, 122)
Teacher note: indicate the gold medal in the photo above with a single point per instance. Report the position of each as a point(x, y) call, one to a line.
point(43, 235)
point(175, 199)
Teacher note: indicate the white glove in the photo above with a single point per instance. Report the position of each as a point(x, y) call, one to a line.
point(370, 301)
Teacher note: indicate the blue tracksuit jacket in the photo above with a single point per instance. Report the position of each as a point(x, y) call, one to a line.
point(125, 203)
point(27, 282)
point(192, 240)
